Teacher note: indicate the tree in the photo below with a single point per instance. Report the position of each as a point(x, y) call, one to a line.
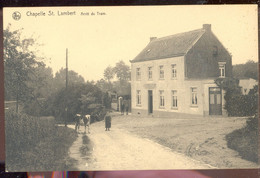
point(60, 79)
point(104, 85)
point(247, 70)
point(109, 73)
point(122, 71)
point(20, 65)
point(78, 98)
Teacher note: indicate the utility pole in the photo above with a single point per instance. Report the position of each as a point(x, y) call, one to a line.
point(66, 109)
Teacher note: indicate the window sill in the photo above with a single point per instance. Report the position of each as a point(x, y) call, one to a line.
point(174, 108)
point(161, 78)
point(194, 106)
point(174, 78)
point(138, 105)
point(161, 107)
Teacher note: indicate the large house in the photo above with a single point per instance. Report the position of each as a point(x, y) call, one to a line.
point(175, 74)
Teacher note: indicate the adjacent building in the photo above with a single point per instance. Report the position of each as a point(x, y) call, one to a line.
point(247, 84)
point(175, 74)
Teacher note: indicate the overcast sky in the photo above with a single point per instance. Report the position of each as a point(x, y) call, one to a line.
point(96, 41)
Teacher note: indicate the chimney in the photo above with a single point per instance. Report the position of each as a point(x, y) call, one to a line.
point(207, 27)
point(152, 38)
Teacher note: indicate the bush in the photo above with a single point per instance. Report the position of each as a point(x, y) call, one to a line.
point(241, 105)
point(237, 104)
point(35, 144)
point(245, 140)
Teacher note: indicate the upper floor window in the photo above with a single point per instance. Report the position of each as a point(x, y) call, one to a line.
point(138, 97)
point(174, 71)
point(150, 73)
point(161, 72)
point(174, 99)
point(161, 98)
point(215, 51)
point(138, 74)
point(194, 96)
point(222, 70)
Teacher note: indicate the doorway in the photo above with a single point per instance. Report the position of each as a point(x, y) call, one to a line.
point(150, 101)
point(215, 101)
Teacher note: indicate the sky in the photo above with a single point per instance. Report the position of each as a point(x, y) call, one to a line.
point(97, 37)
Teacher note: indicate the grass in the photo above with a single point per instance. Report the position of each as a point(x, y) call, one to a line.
point(245, 140)
point(36, 144)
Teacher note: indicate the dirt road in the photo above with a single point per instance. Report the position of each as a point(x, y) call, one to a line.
point(120, 150)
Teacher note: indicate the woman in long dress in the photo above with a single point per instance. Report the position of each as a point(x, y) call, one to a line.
point(107, 121)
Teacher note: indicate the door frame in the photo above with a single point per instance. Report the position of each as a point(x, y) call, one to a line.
point(215, 100)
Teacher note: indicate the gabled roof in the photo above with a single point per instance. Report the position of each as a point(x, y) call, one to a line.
point(169, 46)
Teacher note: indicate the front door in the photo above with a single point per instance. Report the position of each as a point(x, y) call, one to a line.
point(215, 101)
point(150, 101)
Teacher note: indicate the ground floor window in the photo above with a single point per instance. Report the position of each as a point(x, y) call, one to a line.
point(174, 99)
point(194, 96)
point(161, 98)
point(138, 97)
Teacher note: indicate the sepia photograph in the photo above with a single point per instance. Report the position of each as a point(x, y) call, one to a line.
point(131, 88)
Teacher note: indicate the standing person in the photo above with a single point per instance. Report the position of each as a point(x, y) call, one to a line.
point(122, 108)
point(107, 121)
point(126, 106)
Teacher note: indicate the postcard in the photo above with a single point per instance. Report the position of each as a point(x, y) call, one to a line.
point(131, 87)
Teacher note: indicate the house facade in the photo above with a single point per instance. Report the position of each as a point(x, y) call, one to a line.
point(175, 74)
point(247, 84)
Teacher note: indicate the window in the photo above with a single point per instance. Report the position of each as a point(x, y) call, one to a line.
point(221, 70)
point(138, 74)
point(138, 97)
point(174, 71)
point(161, 72)
point(150, 73)
point(161, 98)
point(174, 99)
point(215, 50)
point(194, 97)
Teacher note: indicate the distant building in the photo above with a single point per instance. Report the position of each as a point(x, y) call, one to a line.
point(247, 84)
point(175, 74)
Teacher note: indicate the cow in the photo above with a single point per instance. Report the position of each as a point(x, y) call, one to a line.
point(77, 121)
point(86, 120)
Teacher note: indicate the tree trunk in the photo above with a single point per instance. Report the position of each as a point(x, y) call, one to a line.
point(17, 98)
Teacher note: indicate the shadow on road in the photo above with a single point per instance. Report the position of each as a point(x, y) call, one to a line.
point(86, 148)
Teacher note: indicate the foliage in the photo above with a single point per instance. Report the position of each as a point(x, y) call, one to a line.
point(105, 86)
point(77, 99)
point(35, 144)
point(122, 71)
point(237, 104)
point(121, 86)
point(107, 100)
point(247, 70)
point(109, 73)
point(27, 79)
point(20, 65)
point(60, 79)
point(245, 140)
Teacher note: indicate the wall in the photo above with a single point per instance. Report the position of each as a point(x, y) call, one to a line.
point(201, 61)
point(167, 84)
point(247, 84)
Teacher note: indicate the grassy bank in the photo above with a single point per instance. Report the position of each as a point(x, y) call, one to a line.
point(245, 140)
point(36, 144)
